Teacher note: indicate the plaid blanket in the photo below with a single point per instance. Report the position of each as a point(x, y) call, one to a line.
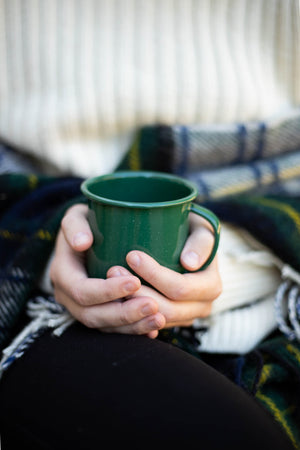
point(224, 160)
point(257, 187)
point(31, 209)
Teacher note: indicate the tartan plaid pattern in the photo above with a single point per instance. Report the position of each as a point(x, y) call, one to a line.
point(204, 147)
point(225, 160)
point(31, 209)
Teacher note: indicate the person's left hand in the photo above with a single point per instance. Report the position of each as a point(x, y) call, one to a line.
point(180, 297)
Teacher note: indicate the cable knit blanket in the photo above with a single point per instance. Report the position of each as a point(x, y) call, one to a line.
point(31, 209)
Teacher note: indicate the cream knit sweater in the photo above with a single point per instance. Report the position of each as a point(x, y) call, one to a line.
point(77, 77)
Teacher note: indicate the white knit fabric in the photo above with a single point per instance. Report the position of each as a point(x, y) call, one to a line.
point(78, 76)
point(244, 313)
point(248, 270)
point(240, 330)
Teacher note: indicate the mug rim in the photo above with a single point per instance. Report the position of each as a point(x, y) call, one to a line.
point(85, 185)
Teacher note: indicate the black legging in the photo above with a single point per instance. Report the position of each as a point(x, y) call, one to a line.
point(87, 390)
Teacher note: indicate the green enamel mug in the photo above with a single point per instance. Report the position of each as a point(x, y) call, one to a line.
point(141, 210)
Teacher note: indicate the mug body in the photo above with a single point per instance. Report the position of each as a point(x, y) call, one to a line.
point(145, 211)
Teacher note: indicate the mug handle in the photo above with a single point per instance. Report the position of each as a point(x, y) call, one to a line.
point(215, 223)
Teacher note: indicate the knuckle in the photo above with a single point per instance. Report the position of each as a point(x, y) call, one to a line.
point(124, 314)
point(212, 289)
point(77, 294)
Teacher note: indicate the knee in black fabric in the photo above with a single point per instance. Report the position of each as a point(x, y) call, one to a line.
point(86, 388)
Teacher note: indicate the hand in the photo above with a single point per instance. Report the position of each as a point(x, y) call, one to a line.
point(176, 300)
point(97, 303)
point(180, 297)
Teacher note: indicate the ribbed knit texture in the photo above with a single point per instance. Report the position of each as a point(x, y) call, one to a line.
point(248, 274)
point(238, 331)
point(78, 76)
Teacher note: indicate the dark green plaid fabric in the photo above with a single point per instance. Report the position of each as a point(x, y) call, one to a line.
point(31, 209)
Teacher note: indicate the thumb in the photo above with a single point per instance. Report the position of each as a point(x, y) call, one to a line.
point(76, 229)
point(198, 246)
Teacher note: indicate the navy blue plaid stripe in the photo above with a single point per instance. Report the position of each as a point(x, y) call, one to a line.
point(184, 134)
point(260, 145)
point(242, 142)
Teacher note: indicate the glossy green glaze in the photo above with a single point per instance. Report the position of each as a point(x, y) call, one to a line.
point(145, 211)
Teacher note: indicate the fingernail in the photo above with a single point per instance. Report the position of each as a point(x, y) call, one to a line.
point(116, 272)
point(129, 287)
point(153, 325)
point(147, 310)
point(191, 259)
point(80, 239)
point(134, 259)
point(156, 323)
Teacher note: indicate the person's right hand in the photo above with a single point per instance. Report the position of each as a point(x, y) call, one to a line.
point(97, 303)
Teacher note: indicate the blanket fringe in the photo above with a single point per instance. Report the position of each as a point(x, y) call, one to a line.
point(287, 304)
point(45, 313)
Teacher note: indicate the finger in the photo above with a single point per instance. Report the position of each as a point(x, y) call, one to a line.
point(117, 271)
point(152, 334)
point(148, 326)
point(199, 244)
point(76, 228)
point(189, 322)
point(68, 275)
point(186, 324)
point(179, 313)
point(184, 313)
point(176, 313)
point(137, 315)
point(202, 286)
